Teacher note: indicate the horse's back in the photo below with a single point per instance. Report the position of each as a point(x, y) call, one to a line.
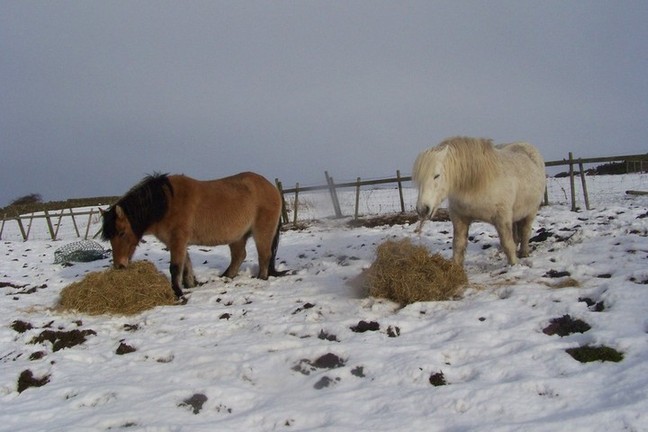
point(525, 166)
point(220, 211)
point(238, 187)
point(523, 149)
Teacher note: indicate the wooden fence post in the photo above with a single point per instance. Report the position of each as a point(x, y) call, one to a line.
point(49, 225)
point(58, 224)
point(296, 204)
point(571, 181)
point(357, 199)
point(76, 228)
point(284, 213)
point(88, 227)
point(4, 217)
point(582, 176)
point(334, 197)
point(400, 191)
point(22, 229)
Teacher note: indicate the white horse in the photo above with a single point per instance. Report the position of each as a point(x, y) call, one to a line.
point(502, 185)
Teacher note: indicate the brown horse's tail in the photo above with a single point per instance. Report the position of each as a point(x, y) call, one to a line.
point(272, 271)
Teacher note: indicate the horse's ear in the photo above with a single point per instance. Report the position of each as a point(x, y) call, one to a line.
point(120, 212)
point(103, 212)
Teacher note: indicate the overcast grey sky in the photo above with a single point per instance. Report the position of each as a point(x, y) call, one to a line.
point(96, 94)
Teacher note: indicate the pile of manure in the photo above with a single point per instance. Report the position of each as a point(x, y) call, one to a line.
point(407, 273)
point(138, 287)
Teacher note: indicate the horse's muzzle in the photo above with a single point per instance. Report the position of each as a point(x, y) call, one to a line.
point(423, 211)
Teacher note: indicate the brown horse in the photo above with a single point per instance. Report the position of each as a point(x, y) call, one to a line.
point(180, 211)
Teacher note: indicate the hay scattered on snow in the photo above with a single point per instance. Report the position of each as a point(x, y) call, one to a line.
point(138, 287)
point(407, 273)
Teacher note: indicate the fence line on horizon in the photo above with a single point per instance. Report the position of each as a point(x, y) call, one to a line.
point(354, 198)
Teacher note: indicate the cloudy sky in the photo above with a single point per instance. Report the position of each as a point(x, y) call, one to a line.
point(96, 94)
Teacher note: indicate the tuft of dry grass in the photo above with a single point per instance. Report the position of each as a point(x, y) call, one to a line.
point(407, 273)
point(128, 291)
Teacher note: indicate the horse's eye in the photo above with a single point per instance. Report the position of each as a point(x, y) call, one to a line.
point(121, 234)
point(436, 176)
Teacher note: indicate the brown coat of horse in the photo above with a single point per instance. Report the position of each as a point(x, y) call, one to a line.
point(180, 211)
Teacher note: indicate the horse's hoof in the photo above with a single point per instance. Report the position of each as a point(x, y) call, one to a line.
point(182, 300)
point(277, 273)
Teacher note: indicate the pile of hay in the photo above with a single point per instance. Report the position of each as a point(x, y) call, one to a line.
point(406, 273)
point(138, 287)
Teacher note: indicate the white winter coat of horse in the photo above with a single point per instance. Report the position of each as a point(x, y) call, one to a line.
point(500, 184)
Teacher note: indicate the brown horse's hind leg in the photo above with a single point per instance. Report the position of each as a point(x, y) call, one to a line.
point(237, 250)
point(266, 239)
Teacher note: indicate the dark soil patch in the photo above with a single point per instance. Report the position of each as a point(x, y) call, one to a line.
point(542, 235)
point(358, 371)
point(396, 219)
point(124, 348)
point(11, 285)
point(131, 327)
point(639, 281)
point(586, 354)
point(554, 274)
point(27, 379)
point(326, 336)
point(327, 361)
point(63, 339)
point(31, 290)
point(566, 325)
point(437, 379)
point(37, 355)
point(593, 305)
point(393, 331)
point(21, 326)
point(195, 402)
point(364, 326)
point(306, 306)
point(325, 382)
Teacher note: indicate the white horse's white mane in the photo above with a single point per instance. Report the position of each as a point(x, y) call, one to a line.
point(469, 163)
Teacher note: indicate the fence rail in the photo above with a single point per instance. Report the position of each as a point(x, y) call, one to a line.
point(54, 218)
point(332, 187)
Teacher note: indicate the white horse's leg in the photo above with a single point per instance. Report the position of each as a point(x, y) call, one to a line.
point(505, 231)
point(524, 230)
point(459, 239)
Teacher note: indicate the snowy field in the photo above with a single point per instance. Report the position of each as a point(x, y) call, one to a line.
point(287, 354)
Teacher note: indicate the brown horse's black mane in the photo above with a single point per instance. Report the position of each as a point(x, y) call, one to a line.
point(145, 204)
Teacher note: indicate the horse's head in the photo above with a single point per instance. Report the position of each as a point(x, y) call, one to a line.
point(123, 240)
point(429, 174)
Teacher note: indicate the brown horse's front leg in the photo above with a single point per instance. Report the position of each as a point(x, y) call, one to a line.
point(176, 276)
point(188, 278)
point(176, 268)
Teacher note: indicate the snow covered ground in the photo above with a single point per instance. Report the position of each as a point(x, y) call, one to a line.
point(286, 354)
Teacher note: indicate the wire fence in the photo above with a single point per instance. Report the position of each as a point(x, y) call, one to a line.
point(352, 199)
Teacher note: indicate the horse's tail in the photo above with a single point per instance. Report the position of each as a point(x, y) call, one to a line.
point(272, 271)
